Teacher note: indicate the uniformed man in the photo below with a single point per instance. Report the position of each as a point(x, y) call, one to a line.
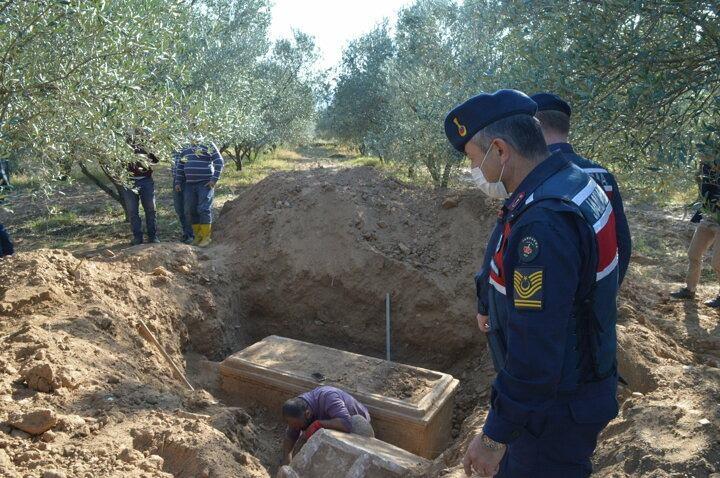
point(551, 267)
point(554, 115)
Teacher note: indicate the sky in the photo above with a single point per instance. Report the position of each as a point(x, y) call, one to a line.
point(332, 22)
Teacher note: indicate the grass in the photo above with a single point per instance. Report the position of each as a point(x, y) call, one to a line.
point(677, 187)
point(367, 161)
point(55, 223)
point(420, 176)
point(23, 181)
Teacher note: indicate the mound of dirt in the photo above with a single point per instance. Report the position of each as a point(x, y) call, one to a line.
point(315, 253)
point(311, 255)
point(83, 395)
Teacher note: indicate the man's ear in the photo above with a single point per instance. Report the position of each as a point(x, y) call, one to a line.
point(503, 150)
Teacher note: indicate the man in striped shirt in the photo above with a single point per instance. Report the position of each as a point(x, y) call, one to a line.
point(198, 170)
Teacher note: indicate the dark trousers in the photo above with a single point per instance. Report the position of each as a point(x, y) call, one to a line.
point(560, 442)
point(6, 245)
point(143, 193)
point(198, 202)
point(179, 203)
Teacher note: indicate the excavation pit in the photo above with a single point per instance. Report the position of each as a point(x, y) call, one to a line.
point(410, 407)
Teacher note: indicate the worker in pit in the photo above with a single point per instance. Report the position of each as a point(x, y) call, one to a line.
point(323, 407)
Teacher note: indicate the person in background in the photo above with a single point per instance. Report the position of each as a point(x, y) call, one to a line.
point(554, 115)
point(5, 173)
point(188, 236)
point(323, 407)
point(6, 245)
point(142, 192)
point(198, 170)
point(707, 230)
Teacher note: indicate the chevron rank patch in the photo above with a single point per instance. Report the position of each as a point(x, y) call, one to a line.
point(528, 288)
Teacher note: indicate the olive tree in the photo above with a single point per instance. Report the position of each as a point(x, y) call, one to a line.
point(76, 75)
point(284, 86)
point(360, 107)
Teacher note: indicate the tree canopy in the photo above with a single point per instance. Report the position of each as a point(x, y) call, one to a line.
point(643, 77)
point(79, 76)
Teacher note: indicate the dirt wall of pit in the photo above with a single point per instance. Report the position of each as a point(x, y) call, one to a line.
point(84, 395)
point(312, 255)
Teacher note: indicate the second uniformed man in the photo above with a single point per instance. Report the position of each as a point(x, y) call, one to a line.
point(554, 115)
point(551, 275)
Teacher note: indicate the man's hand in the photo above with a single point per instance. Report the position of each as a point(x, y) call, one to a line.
point(210, 184)
point(310, 431)
point(178, 188)
point(483, 456)
point(483, 323)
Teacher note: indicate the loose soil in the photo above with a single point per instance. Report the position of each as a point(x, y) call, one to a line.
point(310, 254)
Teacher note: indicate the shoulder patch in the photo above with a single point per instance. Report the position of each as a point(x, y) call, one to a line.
point(528, 249)
point(528, 288)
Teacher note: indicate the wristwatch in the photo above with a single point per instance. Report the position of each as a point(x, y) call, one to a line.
point(490, 444)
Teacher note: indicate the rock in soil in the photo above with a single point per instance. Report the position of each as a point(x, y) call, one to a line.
point(34, 422)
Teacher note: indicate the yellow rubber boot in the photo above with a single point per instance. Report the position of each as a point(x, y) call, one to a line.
point(205, 230)
point(196, 233)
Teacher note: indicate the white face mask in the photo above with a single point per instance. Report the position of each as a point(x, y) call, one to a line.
point(494, 190)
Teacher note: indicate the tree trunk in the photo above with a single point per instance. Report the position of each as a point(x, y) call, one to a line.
point(433, 169)
point(116, 194)
point(120, 188)
point(446, 175)
point(244, 154)
point(238, 158)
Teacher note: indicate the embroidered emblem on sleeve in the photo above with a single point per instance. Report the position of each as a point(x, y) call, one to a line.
point(528, 249)
point(528, 288)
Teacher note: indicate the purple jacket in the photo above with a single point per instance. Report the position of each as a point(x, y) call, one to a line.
point(327, 403)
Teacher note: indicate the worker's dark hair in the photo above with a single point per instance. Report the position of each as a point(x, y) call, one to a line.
point(294, 408)
point(521, 131)
point(554, 121)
